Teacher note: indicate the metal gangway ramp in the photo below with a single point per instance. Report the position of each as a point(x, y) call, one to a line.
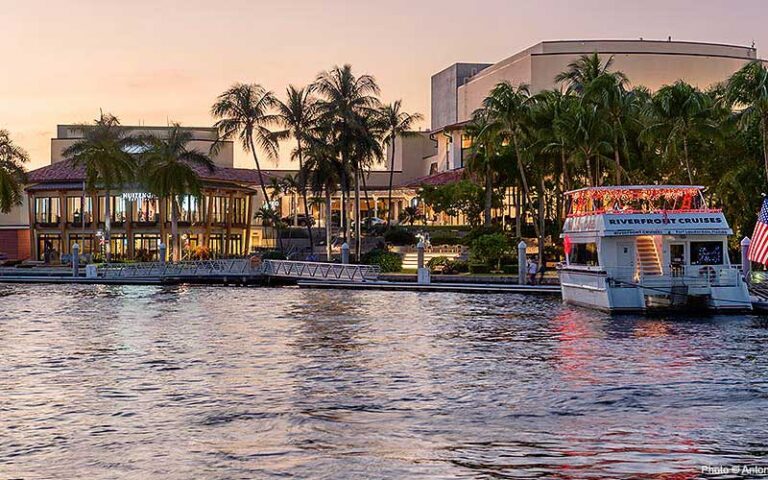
point(242, 270)
point(320, 271)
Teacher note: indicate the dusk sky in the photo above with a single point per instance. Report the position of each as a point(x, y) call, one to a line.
point(153, 61)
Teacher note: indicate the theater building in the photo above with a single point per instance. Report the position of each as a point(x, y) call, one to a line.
point(61, 212)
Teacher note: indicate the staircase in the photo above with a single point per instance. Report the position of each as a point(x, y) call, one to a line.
point(411, 259)
point(649, 263)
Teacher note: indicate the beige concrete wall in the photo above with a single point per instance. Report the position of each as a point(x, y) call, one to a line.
point(649, 70)
point(224, 158)
point(516, 70)
point(17, 217)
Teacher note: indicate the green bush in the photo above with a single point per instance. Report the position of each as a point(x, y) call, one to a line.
point(273, 255)
point(440, 264)
point(460, 266)
point(490, 249)
point(399, 236)
point(509, 269)
point(388, 261)
point(479, 268)
point(478, 232)
point(446, 240)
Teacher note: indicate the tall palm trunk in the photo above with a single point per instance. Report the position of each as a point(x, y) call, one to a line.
point(389, 189)
point(521, 169)
point(541, 221)
point(328, 215)
point(518, 214)
point(764, 131)
point(107, 226)
point(589, 171)
point(175, 229)
point(687, 164)
point(343, 218)
point(303, 187)
point(358, 236)
point(258, 171)
point(617, 158)
point(488, 193)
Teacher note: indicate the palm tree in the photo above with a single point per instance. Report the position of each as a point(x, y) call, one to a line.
point(170, 170)
point(103, 152)
point(397, 123)
point(345, 100)
point(323, 173)
point(244, 111)
point(585, 137)
point(485, 136)
point(298, 116)
point(12, 174)
point(747, 89)
point(677, 113)
point(509, 108)
point(588, 68)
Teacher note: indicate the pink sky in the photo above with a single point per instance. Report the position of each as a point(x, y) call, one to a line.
point(151, 61)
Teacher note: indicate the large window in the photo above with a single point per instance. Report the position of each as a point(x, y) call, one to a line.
point(146, 246)
point(235, 244)
point(219, 210)
point(706, 253)
point(47, 210)
point(583, 254)
point(216, 244)
point(238, 210)
point(76, 213)
point(190, 209)
point(146, 210)
point(118, 211)
point(49, 247)
point(85, 242)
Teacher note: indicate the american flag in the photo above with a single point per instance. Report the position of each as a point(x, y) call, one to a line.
point(758, 247)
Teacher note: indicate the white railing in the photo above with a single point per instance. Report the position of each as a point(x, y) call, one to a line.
point(320, 270)
point(688, 275)
point(197, 268)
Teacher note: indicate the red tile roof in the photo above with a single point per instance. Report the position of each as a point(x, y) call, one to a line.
point(441, 178)
point(64, 171)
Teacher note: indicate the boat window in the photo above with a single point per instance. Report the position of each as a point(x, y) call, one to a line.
point(706, 253)
point(584, 254)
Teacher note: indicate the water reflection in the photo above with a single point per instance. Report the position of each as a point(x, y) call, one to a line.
point(181, 382)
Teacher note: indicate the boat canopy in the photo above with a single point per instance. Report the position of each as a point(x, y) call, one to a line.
point(636, 199)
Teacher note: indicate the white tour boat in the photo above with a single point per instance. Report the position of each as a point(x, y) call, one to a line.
point(638, 248)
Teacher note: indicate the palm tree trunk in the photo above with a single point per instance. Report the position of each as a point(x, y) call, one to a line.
point(541, 221)
point(389, 190)
point(687, 164)
point(258, 171)
point(521, 169)
point(358, 236)
point(488, 193)
point(303, 187)
point(107, 226)
point(617, 159)
point(328, 215)
point(764, 129)
point(175, 229)
point(589, 172)
point(344, 227)
point(518, 213)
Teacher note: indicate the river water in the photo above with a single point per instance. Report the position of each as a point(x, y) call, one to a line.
point(222, 383)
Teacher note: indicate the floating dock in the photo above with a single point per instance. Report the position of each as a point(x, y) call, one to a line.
point(435, 287)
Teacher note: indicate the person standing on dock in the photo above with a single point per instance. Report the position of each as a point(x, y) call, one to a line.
point(533, 269)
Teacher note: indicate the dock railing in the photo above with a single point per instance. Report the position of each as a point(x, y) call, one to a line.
point(320, 271)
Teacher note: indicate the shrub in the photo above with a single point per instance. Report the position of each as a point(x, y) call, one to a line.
point(509, 269)
point(440, 264)
point(446, 240)
point(479, 268)
point(490, 248)
point(399, 236)
point(273, 255)
point(460, 266)
point(388, 261)
point(479, 232)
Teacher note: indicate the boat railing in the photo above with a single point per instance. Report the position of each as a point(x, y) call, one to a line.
point(683, 275)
